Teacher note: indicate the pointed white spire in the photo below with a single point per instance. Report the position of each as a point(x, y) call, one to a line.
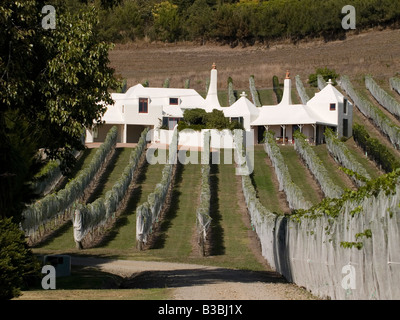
point(287, 90)
point(212, 101)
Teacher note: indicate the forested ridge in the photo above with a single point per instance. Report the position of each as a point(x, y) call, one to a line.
point(236, 21)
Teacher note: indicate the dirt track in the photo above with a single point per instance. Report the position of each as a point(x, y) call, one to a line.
point(196, 282)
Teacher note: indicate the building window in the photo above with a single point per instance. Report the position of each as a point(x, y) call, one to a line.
point(143, 105)
point(345, 106)
point(332, 107)
point(173, 101)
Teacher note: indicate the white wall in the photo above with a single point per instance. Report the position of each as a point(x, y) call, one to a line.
point(192, 138)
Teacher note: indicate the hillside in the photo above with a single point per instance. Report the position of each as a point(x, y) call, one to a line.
point(374, 52)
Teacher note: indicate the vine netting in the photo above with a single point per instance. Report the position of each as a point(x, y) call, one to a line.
point(395, 84)
point(294, 195)
point(89, 217)
point(311, 247)
point(231, 92)
point(203, 218)
point(148, 213)
point(254, 92)
point(321, 82)
point(370, 111)
point(343, 156)
point(314, 163)
point(301, 90)
point(60, 204)
point(384, 99)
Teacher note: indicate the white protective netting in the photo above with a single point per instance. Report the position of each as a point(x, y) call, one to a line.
point(254, 93)
point(384, 99)
point(203, 218)
point(314, 163)
point(57, 204)
point(318, 260)
point(395, 84)
point(370, 111)
point(231, 94)
point(343, 156)
point(98, 213)
point(148, 213)
point(293, 193)
point(301, 90)
point(308, 250)
point(321, 82)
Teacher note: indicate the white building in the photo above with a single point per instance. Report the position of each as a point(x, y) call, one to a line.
point(328, 108)
point(142, 107)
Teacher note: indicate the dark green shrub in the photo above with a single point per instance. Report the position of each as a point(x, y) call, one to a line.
point(375, 150)
point(325, 73)
point(277, 88)
point(18, 266)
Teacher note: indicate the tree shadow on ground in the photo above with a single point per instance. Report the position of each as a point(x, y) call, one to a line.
point(217, 232)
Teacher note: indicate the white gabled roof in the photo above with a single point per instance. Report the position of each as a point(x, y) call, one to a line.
point(189, 98)
point(241, 107)
point(328, 93)
point(284, 115)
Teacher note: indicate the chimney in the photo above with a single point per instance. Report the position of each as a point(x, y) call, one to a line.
point(287, 90)
point(212, 101)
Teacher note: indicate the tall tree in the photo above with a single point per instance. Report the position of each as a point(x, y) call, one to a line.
point(53, 83)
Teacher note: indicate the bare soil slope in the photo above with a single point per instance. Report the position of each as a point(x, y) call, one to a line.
point(375, 52)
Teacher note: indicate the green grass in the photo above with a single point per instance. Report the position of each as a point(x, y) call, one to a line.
point(362, 158)
point(295, 97)
point(262, 180)
point(177, 230)
point(234, 250)
point(298, 173)
point(267, 97)
point(311, 91)
point(332, 167)
point(113, 172)
point(123, 235)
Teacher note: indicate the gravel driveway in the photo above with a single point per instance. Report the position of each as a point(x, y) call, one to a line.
point(197, 282)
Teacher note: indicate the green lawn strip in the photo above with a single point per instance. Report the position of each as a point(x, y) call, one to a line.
point(359, 155)
point(311, 91)
point(179, 224)
point(267, 97)
point(332, 167)
point(123, 235)
point(223, 98)
point(236, 252)
point(295, 97)
point(112, 173)
point(298, 172)
point(263, 180)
